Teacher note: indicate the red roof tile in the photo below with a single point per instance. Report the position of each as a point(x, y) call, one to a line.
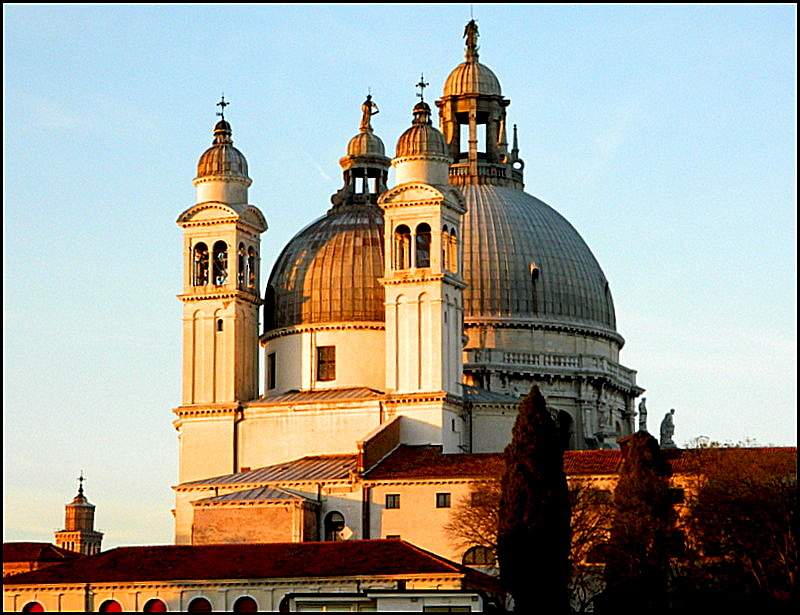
point(420, 462)
point(36, 552)
point(253, 561)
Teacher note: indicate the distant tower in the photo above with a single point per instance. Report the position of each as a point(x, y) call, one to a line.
point(423, 284)
point(78, 534)
point(220, 297)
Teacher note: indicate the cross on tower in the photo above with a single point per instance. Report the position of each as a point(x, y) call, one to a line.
point(222, 104)
point(80, 482)
point(422, 85)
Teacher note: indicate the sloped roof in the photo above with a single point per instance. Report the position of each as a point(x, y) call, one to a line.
point(410, 462)
point(323, 395)
point(427, 461)
point(36, 552)
point(254, 561)
point(259, 494)
point(315, 467)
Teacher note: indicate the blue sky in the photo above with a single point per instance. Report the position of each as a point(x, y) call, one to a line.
point(665, 134)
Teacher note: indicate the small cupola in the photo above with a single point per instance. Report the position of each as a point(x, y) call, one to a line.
point(222, 173)
point(365, 167)
point(422, 153)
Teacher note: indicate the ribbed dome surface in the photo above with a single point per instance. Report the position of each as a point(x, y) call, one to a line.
point(505, 231)
point(222, 158)
point(365, 143)
point(422, 138)
point(329, 271)
point(471, 78)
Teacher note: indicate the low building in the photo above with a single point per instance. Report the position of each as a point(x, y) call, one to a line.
point(19, 557)
point(374, 575)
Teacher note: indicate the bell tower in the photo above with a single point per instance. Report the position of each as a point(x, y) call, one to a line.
point(221, 257)
point(79, 534)
point(423, 285)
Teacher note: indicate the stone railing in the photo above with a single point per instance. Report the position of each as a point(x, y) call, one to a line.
point(592, 364)
point(488, 173)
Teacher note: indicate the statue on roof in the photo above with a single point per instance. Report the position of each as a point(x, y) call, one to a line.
point(368, 109)
point(643, 415)
point(667, 430)
point(471, 34)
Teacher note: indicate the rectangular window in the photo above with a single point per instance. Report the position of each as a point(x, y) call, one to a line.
point(271, 370)
point(326, 363)
point(392, 500)
point(442, 500)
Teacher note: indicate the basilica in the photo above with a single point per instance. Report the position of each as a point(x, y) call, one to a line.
point(398, 333)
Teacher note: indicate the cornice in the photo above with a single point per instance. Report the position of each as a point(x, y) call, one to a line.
point(333, 326)
point(565, 327)
point(221, 294)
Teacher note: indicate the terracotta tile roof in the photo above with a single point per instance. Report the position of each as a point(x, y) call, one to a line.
point(253, 561)
point(410, 462)
point(36, 551)
point(427, 461)
point(591, 462)
point(318, 467)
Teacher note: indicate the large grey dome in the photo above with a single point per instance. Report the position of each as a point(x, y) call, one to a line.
point(507, 233)
point(329, 271)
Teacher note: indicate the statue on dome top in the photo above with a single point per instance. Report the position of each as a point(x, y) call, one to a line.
point(471, 34)
point(368, 109)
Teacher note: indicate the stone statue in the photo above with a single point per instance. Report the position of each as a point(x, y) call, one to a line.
point(471, 34)
point(642, 415)
point(667, 430)
point(368, 109)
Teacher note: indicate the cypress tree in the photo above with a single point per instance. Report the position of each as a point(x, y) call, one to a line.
point(637, 565)
point(533, 542)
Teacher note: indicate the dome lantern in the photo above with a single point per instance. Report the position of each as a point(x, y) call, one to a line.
point(422, 152)
point(365, 167)
point(472, 116)
point(222, 173)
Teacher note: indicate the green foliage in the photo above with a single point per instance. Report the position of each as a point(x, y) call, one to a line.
point(637, 566)
point(533, 542)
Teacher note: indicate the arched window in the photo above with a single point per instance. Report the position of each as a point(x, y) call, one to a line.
point(453, 251)
point(33, 607)
point(402, 247)
point(245, 604)
point(251, 268)
point(269, 308)
point(220, 263)
point(199, 605)
point(334, 524)
point(241, 273)
point(155, 606)
point(564, 426)
point(479, 556)
point(445, 249)
point(200, 265)
point(110, 606)
point(423, 245)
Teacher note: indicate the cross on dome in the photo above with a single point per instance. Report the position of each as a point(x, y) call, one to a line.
point(222, 104)
point(422, 85)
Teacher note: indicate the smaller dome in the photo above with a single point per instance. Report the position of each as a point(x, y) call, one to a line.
point(222, 158)
point(472, 77)
point(422, 138)
point(365, 143)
